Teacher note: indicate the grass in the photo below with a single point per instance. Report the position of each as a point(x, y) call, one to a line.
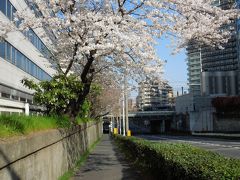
point(70, 173)
point(81, 120)
point(13, 125)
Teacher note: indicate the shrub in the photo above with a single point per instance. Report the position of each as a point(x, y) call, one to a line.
point(178, 161)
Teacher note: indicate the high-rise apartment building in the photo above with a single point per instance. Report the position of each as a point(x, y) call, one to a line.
point(214, 71)
point(194, 69)
point(22, 55)
point(220, 66)
point(154, 96)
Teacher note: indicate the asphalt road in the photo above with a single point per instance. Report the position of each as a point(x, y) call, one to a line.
point(228, 148)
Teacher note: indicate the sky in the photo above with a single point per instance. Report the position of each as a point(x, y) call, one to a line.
point(175, 69)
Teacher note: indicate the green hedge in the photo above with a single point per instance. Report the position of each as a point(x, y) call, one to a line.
point(178, 161)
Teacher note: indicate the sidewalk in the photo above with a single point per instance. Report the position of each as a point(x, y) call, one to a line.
point(106, 162)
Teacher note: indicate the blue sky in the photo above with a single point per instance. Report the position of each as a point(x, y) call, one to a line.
point(175, 70)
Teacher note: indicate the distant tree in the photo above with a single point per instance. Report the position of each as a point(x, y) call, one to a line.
point(105, 102)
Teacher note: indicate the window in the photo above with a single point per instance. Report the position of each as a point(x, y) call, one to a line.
point(40, 73)
point(22, 99)
point(31, 68)
point(13, 55)
point(31, 36)
point(29, 101)
point(15, 97)
point(34, 70)
point(24, 62)
point(2, 50)
point(9, 10)
point(19, 59)
point(13, 12)
point(27, 65)
point(5, 95)
point(9, 52)
point(3, 6)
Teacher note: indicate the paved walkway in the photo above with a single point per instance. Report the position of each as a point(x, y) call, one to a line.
point(106, 163)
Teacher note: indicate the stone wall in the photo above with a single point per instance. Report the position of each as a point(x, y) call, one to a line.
point(46, 155)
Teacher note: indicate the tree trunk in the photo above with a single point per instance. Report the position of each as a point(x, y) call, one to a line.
point(74, 107)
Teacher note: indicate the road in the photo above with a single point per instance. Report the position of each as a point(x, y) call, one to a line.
point(228, 148)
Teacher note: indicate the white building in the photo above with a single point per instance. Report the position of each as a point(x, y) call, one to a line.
point(194, 113)
point(22, 55)
point(154, 96)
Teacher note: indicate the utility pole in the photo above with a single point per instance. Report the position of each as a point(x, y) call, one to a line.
point(123, 115)
point(126, 100)
point(120, 120)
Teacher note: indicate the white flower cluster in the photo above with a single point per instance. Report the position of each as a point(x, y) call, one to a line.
point(121, 34)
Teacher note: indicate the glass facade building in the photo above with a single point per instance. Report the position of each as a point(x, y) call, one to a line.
point(22, 55)
point(11, 54)
point(214, 71)
point(8, 9)
point(15, 57)
point(194, 69)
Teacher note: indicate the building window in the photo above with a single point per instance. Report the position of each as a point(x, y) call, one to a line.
point(216, 85)
point(31, 68)
point(3, 6)
point(15, 97)
point(229, 91)
point(236, 84)
point(211, 87)
point(19, 59)
point(224, 84)
point(9, 10)
point(2, 50)
point(11, 54)
point(5, 95)
point(22, 99)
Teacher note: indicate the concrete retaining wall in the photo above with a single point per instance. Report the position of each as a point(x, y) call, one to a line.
point(227, 124)
point(46, 155)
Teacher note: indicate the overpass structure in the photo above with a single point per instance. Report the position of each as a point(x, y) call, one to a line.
point(150, 114)
point(145, 121)
point(150, 121)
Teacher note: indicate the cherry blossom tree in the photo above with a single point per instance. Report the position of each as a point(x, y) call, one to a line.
point(112, 37)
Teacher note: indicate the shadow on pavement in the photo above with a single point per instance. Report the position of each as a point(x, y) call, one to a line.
point(107, 162)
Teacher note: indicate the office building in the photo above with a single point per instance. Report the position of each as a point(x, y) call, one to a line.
point(220, 67)
point(22, 55)
point(214, 71)
point(194, 69)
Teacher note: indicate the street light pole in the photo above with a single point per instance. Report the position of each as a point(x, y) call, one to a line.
point(123, 115)
point(120, 123)
point(126, 100)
